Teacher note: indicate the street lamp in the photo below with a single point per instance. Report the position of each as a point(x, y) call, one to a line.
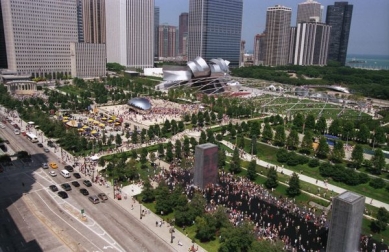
point(140, 210)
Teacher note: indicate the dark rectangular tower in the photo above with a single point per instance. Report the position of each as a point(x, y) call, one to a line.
point(346, 222)
point(3, 49)
point(206, 158)
point(215, 28)
point(183, 34)
point(339, 17)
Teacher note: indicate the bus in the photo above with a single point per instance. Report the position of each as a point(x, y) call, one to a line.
point(32, 137)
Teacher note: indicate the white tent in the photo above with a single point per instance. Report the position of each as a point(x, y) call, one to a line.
point(94, 158)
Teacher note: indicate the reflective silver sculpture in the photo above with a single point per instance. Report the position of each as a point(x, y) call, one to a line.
point(208, 78)
point(140, 103)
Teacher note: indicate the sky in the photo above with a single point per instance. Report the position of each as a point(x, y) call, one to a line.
point(369, 25)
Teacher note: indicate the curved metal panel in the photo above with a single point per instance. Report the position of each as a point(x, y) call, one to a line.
point(175, 75)
point(141, 103)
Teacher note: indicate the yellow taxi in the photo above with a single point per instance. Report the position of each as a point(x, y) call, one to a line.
point(53, 165)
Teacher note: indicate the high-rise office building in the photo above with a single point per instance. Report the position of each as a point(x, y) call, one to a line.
point(346, 222)
point(215, 29)
point(91, 21)
point(3, 48)
point(277, 31)
point(156, 31)
point(38, 41)
point(339, 17)
point(308, 11)
point(167, 46)
point(183, 34)
point(259, 49)
point(130, 32)
point(310, 44)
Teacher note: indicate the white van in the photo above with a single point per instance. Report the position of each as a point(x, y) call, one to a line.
point(65, 173)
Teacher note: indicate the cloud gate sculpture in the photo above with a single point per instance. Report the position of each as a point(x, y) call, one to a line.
point(197, 74)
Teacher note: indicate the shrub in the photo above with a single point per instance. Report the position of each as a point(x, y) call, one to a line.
point(339, 173)
point(351, 178)
point(313, 163)
point(283, 155)
point(293, 159)
point(303, 159)
point(326, 169)
point(377, 183)
point(363, 178)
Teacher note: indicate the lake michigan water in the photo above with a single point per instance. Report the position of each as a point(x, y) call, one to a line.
point(368, 61)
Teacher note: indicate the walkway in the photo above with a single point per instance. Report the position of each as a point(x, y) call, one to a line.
point(305, 178)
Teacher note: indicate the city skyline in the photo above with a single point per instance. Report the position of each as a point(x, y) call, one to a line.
point(366, 36)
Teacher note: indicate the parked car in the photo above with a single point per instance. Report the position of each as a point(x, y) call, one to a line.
point(52, 173)
point(94, 199)
point(84, 191)
point(87, 183)
point(66, 187)
point(50, 144)
point(75, 184)
point(102, 196)
point(53, 188)
point(53, 165)
point(77, 175)
point(45, 166)
point(46, 149)
point(62, 194)
point(17, 132)
point(40, 145)
point(69, 168)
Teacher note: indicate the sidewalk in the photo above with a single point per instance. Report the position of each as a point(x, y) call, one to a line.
point(310, 180)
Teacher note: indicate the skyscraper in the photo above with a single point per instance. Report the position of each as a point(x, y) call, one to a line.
point(156, 33)
point(130, 32)
point(346, 222)
point(91, 21)
point(167, 46)
point(311, 44)
point(339, 17)
point(308, 11)
point(215, 29)
point(259, 49)
point(277, 32)
point(183, 33)
point(3, 49)
point(38, 41)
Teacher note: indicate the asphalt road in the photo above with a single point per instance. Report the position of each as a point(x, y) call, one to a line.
point(33, 218)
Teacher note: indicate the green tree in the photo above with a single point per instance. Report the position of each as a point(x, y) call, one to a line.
point(164, 204)
point(306, 143)
point(177, 149)
point(161, 151)
point(239, 238)
point(186, 146)
point(335, 127)
point(267, 133)
point(221, 158)
point(205, 228)
point(272, 178)
point(255, 129)
point(338, 152)
point(310, 122)
point(254, 150)
point(323, 148)
point(379, 136)
point(203, 137)
point(298, 122)
point(241, 142)
point(321, 125)
point(363, 134)
point(381, 221)
point(294, 186)
point(143, 156)
point(378, 161)
point(251, 170)
point(235, 162)
point(280, 137)
point(148, 192)
point(118, 140)
point(292, 140)
point(169, 152)
point(357, 156)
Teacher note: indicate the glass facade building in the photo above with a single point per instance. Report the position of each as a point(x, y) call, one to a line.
point(215, 29)
point(339, 17)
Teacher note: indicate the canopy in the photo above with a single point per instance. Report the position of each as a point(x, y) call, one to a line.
point(91, 119)
point(117, 123)
point(110, 121)
point(81, 130)
point(96, 122)
point(104, 119)
point(94, 158)
point(85, 127)
point(93, 132)
point(102, 125)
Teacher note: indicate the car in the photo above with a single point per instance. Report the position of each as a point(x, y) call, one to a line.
point(53, 165)
point(6, 141)
point(46, 149)
point(2, 126)
point(62, 194)
point(17, 132)
point(77, 175)
point(69, 168)
point(50, 144)
point(40, 145)
point(53, 188)
point(75, 184)
point(66, 187)
point(52, 173)
point(45, 166)
point(87, 183)
point(84, 191)
point(102, 196)
point(94, 199)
